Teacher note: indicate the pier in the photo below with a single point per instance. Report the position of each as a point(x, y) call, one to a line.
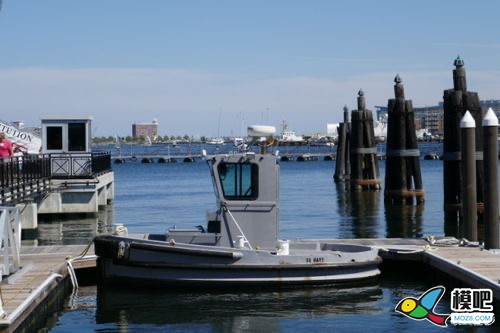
point(67, 177)
point(55, 184)
point(190, 158)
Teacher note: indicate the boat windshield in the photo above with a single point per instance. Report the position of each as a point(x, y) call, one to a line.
point(239, 181)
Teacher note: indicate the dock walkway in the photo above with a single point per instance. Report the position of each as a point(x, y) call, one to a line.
point(44, 268)
point(464, 266)
point(45, 272)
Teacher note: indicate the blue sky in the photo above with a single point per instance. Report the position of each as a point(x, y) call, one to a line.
point(190, 63)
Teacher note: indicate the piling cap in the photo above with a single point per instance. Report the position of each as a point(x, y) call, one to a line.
point(459, 62)
point(490, 119)
point(467, 121)
point(398, 79)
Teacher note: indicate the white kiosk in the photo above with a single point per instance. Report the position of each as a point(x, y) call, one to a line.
point(80, 180)
point(68, 141)
point(66, 135)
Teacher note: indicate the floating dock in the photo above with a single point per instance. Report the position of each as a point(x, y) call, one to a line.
point(37, 289)
point(445, 262)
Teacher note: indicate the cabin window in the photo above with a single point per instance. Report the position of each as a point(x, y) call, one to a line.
point(239, 180)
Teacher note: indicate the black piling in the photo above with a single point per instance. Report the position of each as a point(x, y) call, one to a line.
point(468, 164)
point(456, 102)
point(342, 163)
point(491, 218)
point(364, 163)
point(403, 179)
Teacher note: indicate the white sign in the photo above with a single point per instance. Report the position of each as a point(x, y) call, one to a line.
point(25, 140)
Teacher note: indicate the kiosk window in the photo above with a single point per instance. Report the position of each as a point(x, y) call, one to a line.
point(239, 180)
point(54, 138)
point(76, 137)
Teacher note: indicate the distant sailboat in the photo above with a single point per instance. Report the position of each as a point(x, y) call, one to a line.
point(218, 140)
point(117, 141)
point(148, 141)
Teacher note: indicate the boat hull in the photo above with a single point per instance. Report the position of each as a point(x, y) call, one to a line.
point(154, 263)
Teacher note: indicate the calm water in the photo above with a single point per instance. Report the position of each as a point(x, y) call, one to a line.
point(154, 197)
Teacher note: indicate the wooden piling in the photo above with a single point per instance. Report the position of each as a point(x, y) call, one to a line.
point(403, 180)
point(343, 163)
point(468, 164)
point(364, 163)
point(491, 220)
point(456, 102)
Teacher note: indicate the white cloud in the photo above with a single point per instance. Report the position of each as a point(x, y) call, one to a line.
point(189, 102)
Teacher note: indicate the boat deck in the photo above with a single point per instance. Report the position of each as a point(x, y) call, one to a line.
point(44, 268)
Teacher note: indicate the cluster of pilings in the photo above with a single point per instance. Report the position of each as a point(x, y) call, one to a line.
point(403, 179)
point(356, 150)
point(470, 169)
point(456, 102)
point(469, 211)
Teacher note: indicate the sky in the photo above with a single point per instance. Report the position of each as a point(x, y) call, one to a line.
point(212, 67)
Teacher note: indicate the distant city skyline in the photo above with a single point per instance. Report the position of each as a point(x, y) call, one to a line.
point(212, 68)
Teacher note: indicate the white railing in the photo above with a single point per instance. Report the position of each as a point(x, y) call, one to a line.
point(10, 246)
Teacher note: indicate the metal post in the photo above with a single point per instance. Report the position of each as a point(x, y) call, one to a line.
point(469, 195)
point(491, 212)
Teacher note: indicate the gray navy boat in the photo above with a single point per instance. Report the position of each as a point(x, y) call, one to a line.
point(240, 243)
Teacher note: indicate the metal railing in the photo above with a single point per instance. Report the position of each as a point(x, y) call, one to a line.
point(22, 178)
point(10, 245)
point(79, 165)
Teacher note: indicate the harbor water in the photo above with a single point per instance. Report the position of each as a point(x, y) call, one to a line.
point(149, 198)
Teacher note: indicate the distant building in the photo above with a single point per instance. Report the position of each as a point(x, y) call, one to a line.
point(431, 117)
point(145, 130)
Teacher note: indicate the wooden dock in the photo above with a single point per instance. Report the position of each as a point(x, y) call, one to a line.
point(457, 266)
point(43, 275)
point(30, 294)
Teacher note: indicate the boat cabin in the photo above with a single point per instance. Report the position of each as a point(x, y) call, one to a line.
point(246, 187)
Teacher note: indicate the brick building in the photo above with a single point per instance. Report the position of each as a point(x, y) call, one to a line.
point(145, 130)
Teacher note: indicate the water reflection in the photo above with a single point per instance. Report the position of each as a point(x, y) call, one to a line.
point(359, 212)
point(73, 229)
point(404, 221)
point(360, 215)
point(455, 227)
point(226, 311)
